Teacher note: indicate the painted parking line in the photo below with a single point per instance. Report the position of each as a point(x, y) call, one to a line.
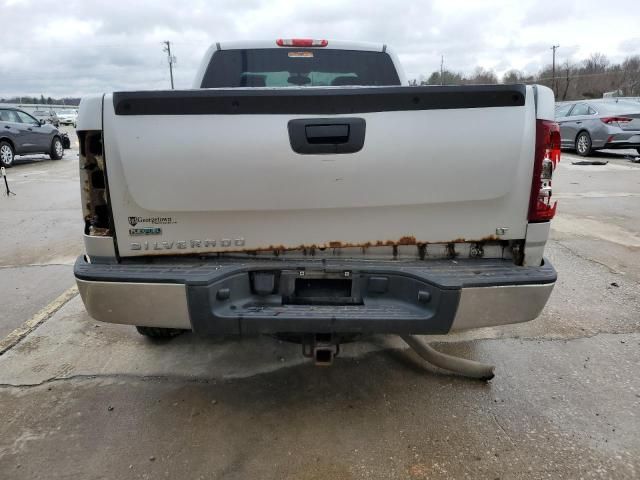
point(27, 327)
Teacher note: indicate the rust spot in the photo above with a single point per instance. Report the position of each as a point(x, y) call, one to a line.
point(99, 232)
point(277, 247)
point(407, 241)
point(477, 250)
point(311, 249)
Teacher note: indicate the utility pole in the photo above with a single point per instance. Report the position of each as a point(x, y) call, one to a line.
point(553, 68)
point(441, 69)
point(171, 59)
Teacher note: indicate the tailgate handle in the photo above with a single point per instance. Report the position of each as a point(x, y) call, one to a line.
point(326, 135)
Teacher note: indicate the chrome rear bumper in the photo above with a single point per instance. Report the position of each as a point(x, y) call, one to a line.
point(392, 297)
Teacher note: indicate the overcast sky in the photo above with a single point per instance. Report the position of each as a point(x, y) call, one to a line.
point(71, 48)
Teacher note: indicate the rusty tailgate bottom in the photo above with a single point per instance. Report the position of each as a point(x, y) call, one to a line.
point(314, 296)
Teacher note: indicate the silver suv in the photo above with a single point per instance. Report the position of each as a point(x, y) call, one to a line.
point(48, 116)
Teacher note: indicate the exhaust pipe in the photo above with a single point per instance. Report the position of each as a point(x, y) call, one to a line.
point(461, 366)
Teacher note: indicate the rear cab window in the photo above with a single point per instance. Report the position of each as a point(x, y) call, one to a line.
point(299, 67)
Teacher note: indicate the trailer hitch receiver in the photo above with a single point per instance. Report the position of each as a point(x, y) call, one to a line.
point(322, 347)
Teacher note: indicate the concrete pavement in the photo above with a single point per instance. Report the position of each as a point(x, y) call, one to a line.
point(87, 400)
point(39, 234)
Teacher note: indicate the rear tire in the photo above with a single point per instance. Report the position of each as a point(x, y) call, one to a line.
point(7, 154)
point(157, 332)
point(57, 149)
point(583, 144)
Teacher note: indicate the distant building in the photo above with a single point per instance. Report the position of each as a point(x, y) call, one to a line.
point(615, 93)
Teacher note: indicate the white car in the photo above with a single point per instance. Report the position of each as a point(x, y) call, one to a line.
point(303, 188)
point(67, 117)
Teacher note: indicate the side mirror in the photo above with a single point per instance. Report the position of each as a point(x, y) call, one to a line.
point(42, 122)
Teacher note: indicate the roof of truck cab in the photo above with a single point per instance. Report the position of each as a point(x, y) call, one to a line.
point(333, 44)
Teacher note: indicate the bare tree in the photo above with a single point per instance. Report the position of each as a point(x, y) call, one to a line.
point(590, 78)
point(566, 67)
point(630, 82)
point(481, 76)
point(448, 78)
point(596, 63)
point(513, 76)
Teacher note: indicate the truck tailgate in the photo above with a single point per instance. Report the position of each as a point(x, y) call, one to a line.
point(215, 170)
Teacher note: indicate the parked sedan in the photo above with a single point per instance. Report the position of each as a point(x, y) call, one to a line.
point(48, 116)
point(21, 134)
point(598, 124)
point(67, 117)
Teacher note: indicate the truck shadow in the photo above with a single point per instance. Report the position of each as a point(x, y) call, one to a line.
point(256, 355)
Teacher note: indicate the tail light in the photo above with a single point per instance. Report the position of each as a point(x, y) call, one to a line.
point(610, 120)
point(301, 42)
point(94, 192)
point(547, 156)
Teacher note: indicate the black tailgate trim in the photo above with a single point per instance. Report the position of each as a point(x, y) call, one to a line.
point(445, 274)
point(324, 101)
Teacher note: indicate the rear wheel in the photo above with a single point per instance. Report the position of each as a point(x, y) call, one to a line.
point(6, 154)
point(157, 332)
point(57, 149)
point(583, 144)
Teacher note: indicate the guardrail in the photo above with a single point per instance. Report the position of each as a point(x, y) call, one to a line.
point(38, 106)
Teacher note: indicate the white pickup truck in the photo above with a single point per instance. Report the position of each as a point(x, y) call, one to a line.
point(302, 187)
